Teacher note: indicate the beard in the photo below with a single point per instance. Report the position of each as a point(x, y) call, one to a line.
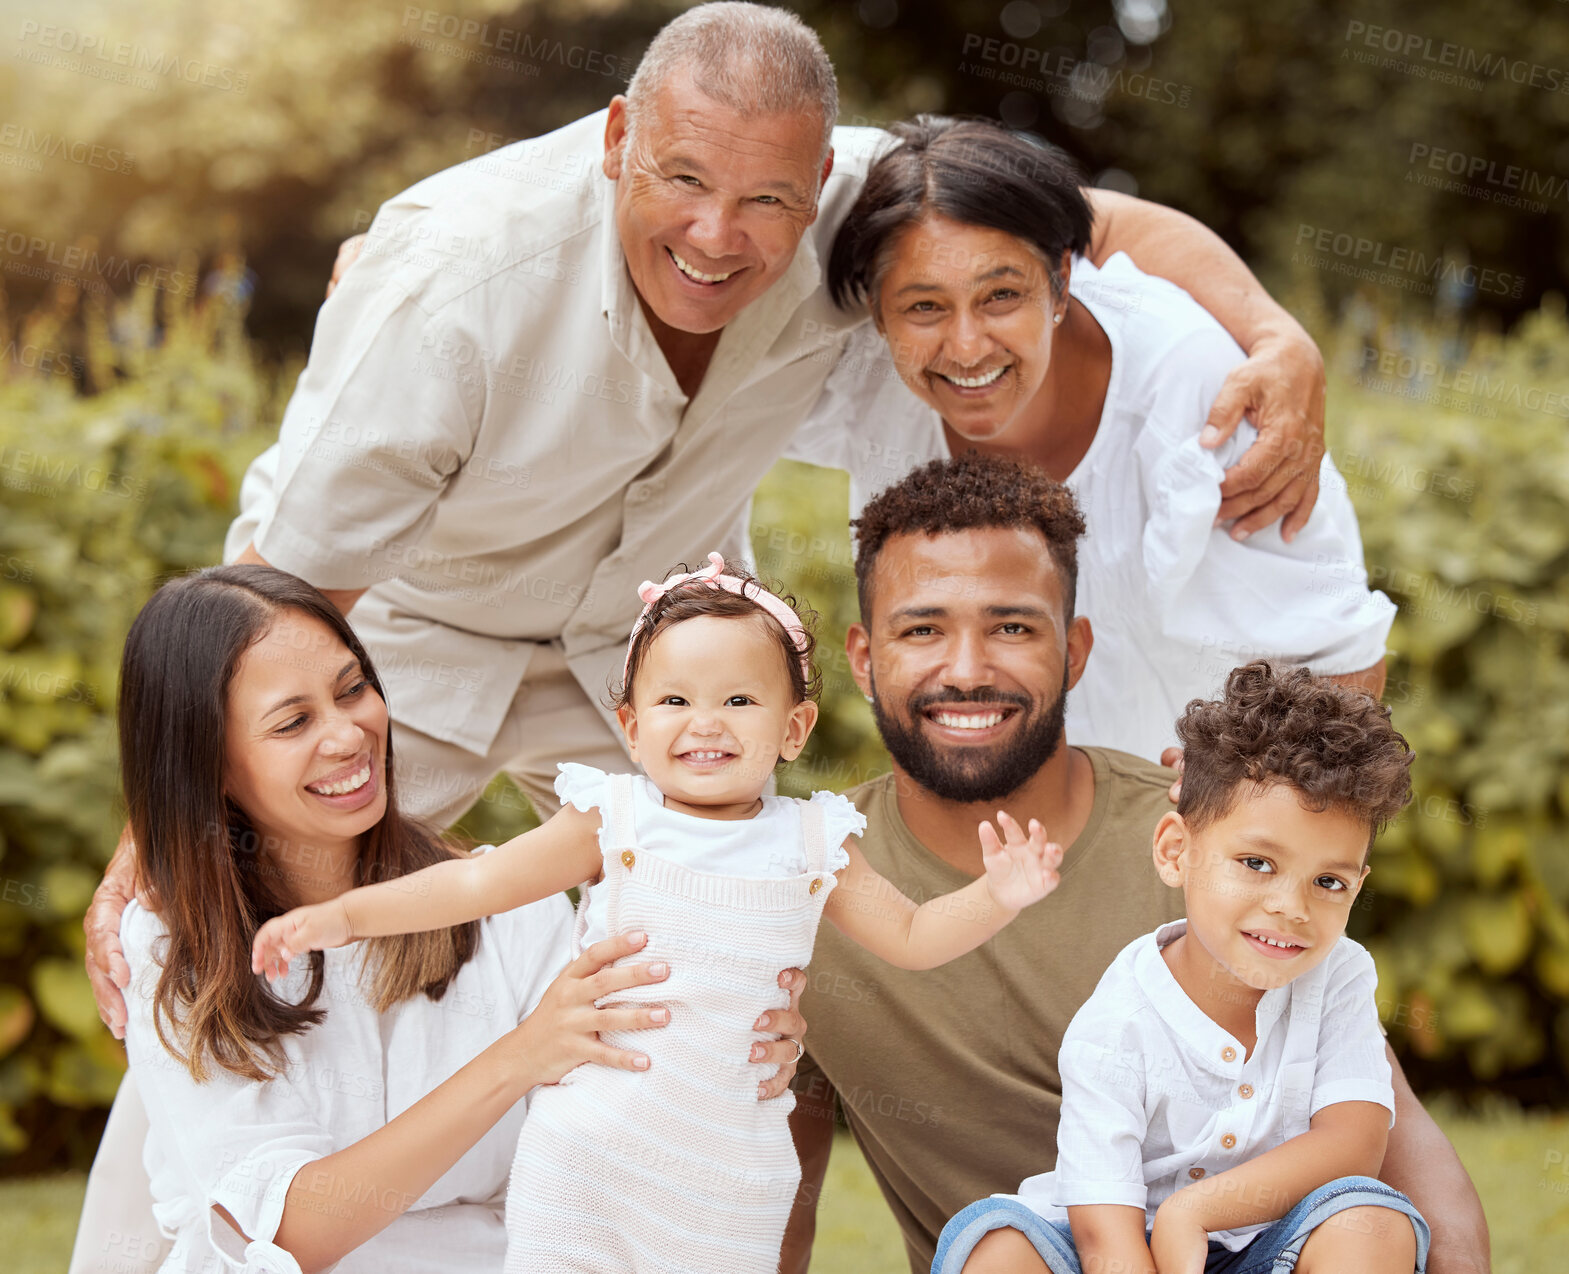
point(972, 774)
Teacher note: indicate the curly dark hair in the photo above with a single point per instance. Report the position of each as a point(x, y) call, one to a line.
point(971, 492)
point(697, 599)
point(1334, 745)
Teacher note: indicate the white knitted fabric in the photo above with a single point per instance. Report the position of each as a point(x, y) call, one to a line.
point(679, 1169)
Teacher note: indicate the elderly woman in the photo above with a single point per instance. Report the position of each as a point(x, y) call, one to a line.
point(332, 1118)
point(968, 242)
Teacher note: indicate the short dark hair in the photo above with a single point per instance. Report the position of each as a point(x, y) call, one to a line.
point(971, 492)
point(1333, 745)
point(972, 171)
point(696, 599)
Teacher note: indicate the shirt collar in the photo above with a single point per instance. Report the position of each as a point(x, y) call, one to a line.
point(1206, 1040)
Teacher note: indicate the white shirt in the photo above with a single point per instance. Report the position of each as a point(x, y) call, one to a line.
point(488, 435)
point(768, 844)
point(1151, 1086)
point(1174, 602)
point(239, 1143)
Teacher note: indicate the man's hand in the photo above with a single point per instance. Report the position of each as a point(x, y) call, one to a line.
point(790, 1026)
point(1281, 389)
point(107, 970)
point(1171, 758)
point(348, 253)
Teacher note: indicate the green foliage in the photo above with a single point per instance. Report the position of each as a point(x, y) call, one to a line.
point(101, 496)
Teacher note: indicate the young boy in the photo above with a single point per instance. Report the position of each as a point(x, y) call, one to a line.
point(1225, 1094)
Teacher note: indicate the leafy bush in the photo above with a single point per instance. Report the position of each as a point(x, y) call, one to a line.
point(120, 458)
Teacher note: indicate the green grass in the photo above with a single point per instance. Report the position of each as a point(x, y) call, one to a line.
point(1520, 1163)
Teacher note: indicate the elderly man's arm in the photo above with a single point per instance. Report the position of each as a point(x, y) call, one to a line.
point(1422, 1165)
point(342, 598)
point(1281, 385)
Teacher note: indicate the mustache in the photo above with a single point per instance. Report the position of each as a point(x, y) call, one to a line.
point(951, 696)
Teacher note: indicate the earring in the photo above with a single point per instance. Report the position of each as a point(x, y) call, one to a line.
point(1057, 317)
point(868, 698)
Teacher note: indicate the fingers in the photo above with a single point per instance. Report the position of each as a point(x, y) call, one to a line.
point(348, 253)
point(620, 1058)
point(608, 982)
point(1171, 758)
point(635, 1019)
point(608, 951)
point(1271, 510)
point(989, 843)
point(794, 981)
point(1297, 517)
point(111, 1004)
point(1225, 413)
point(786, 1023)
point(774, 1052)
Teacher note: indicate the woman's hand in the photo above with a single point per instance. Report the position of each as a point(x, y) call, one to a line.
point(784, 1052)
point(563, 1030)
point(1021, 869)
point(313, 928)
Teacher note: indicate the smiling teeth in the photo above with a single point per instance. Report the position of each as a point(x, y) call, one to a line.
point(344, 786)
point(705, 756)
point(696, 274)
point(975, 382)
point(967, 722)
point(1287, 946)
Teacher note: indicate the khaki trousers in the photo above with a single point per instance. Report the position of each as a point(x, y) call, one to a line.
point(551, 719)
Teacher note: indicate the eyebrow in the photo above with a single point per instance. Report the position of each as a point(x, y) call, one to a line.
point(937, 612)
point(996, 272)
point(698, 170)
point(294, 699)
point(1265, 842)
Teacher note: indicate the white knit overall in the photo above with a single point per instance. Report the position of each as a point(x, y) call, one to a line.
point(679, 1169)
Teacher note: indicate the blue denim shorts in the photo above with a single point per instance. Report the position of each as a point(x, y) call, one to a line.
point(1272, 1251)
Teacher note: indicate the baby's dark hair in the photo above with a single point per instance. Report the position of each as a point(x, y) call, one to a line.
point(1333, 745)
point(696, 599)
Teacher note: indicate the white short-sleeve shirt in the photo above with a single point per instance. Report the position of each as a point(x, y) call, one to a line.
point(239, 1144)
point(769, 844)
point(1152, 1087)
point(1175, 602)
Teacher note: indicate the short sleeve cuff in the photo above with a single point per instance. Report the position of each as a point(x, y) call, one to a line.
point(581, 786)
point(1369, 1090)
point(311, 559)
point(1079, 1194)
point(256, 1203)
point(840, 819)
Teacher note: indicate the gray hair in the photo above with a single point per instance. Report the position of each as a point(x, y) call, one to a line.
point(755, 59)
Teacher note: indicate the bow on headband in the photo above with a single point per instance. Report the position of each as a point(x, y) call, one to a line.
point(714, 576)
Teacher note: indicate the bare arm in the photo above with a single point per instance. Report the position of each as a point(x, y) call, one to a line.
point(1110, 1238)
point(554, 856)
point(342, 598)
point(870, 911)
point(378, 1178)
point(1421, 1164)
point(812, 1127)
point(1370, 679)
point(1281, 386)
point(107, 971)
point(1343, 1140)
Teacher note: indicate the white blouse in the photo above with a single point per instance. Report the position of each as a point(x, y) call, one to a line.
point(1155, 1092)
point(1175, 603)
point(768, 844)
point(239, 1144)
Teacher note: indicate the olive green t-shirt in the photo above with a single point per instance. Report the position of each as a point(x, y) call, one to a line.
point(948, 1077)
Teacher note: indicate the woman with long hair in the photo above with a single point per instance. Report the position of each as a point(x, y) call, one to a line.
point(332, 1117)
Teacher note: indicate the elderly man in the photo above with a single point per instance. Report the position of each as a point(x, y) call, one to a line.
point(564, 367)
point(969, 646)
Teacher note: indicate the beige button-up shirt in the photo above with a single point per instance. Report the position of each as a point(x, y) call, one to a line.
point(488, 437)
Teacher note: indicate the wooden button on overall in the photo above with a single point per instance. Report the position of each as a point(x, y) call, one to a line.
point(816, 885)
point(1228, 1141)
point(628, 857)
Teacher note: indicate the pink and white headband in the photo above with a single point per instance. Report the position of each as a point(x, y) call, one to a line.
point(714, 576)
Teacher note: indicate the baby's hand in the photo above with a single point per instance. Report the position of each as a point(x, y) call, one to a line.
point(1023, 869)
point(313, 928)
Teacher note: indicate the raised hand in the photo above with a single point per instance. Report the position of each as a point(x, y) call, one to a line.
point(1020, 869)
point(313, 928)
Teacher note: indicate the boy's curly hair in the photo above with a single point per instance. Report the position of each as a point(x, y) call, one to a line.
point(697, 599)
point(1333, 745)
point(970, 492)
